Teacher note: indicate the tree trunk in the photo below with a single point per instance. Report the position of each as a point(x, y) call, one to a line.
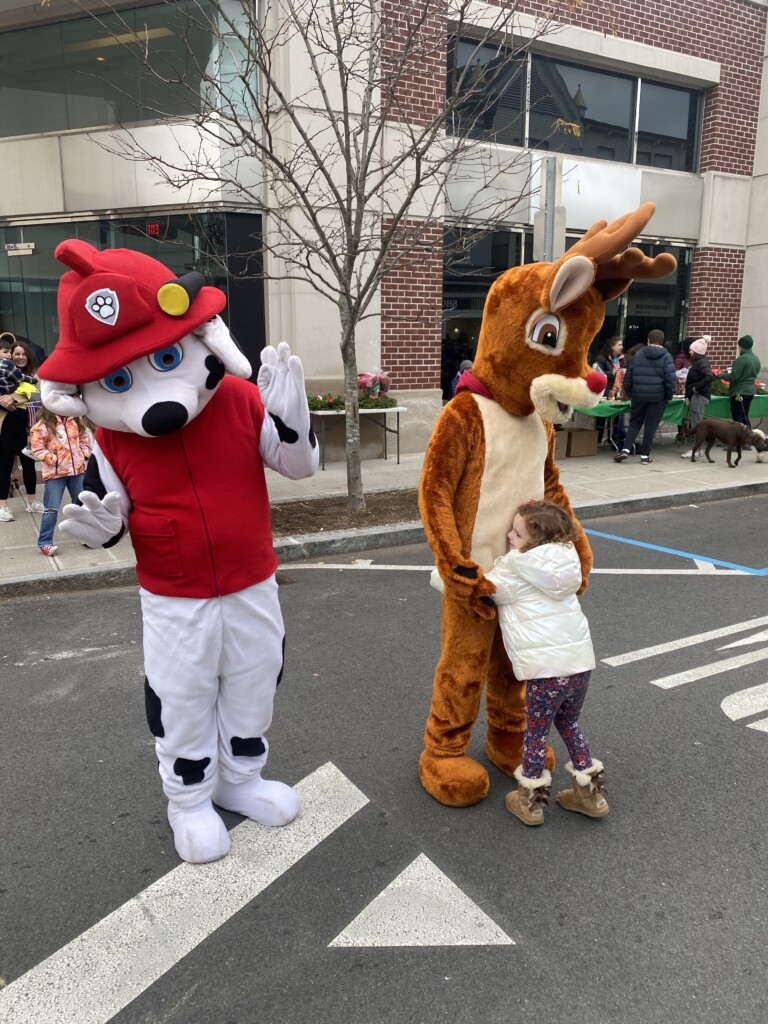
point(355, 496)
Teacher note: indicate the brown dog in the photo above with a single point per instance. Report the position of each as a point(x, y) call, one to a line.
point(732, 434)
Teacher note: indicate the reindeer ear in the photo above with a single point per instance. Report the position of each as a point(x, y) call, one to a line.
point(573, 278)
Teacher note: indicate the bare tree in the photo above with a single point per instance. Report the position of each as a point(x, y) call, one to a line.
point(359, 127)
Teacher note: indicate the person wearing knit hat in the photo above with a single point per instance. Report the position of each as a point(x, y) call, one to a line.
point(741, 377)
point(697, 386)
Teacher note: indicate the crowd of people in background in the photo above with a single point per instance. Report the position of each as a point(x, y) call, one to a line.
point(648, 376)
point(30, 433)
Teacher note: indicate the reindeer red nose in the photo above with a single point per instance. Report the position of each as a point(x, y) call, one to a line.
point(596, 382)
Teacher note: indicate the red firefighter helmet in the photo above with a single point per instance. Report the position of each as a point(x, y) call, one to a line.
point(117, 305)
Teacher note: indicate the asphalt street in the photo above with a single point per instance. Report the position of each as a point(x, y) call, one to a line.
point(402, 911)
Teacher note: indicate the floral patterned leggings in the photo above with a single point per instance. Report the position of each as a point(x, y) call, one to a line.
point(559, 700)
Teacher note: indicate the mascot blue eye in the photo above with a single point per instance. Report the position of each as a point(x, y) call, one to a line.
point(117, 382)
point(166, 358)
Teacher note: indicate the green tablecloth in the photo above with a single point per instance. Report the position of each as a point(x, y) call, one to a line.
point(676, 411)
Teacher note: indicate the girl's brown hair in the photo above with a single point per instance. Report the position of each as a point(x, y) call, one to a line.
point(49, 418)
point(547, 523)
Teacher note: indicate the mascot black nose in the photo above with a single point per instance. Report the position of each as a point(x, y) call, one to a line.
point(163, 418)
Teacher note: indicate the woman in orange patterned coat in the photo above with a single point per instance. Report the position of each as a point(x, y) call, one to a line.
point(493, 449)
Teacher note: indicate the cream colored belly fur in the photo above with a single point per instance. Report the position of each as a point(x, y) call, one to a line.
point(515, 453)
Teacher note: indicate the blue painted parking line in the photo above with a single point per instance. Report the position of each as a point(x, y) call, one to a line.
point(678, 554)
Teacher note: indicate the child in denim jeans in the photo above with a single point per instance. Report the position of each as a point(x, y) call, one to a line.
point(63, 446)
point(546, 636)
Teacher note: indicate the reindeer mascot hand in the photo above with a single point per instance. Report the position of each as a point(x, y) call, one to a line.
point(145, 354)
point(493, 449)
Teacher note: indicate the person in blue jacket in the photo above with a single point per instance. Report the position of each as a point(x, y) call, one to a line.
point(650, 383)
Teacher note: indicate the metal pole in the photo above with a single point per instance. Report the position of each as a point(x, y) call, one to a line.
point(549, 209)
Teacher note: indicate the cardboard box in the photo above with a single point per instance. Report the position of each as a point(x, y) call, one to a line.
point(581, 442)
point(561, 443)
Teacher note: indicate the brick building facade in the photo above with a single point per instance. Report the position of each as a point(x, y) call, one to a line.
point(731, 36)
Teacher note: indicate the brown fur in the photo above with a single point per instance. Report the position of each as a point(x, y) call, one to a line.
point(467, 476)
point(732, 434)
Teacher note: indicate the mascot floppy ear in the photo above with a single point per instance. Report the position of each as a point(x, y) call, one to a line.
point(215, 336)
point(62, 399)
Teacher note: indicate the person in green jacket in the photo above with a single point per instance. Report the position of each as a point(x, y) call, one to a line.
point(741, 379)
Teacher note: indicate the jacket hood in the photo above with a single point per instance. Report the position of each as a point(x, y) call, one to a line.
point(653, 351)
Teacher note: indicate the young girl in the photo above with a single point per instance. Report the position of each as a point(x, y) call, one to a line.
point(548, 642)
point(63, 446)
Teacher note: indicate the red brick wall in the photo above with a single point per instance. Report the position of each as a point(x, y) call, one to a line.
point(412, 292)
point(731, 32)
point(411, 315)
point(715, 299)
point(414, 49)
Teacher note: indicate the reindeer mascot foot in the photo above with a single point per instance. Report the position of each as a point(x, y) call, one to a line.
point(199, 834)
point(454, 781)
point(268, 803)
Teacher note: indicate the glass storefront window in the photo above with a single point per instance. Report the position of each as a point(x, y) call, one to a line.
point(32, 91)
point(574, 109)
point(668, 127)
point(472, 262)
point(581, 111)
point(88, 73)
point(491, 83)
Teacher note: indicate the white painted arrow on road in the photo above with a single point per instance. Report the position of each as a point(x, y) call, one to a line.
point(422, 907)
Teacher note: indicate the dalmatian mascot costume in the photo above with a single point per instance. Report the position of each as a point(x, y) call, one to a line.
point(144, 354)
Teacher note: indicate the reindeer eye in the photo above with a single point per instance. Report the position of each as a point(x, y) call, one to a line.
point(546, 331)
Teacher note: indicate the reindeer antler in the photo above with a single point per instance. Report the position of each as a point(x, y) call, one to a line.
point(606, 245)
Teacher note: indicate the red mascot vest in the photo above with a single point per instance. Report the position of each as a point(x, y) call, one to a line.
point(200, 521)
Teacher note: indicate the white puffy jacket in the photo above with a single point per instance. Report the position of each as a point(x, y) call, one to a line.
point(544, 629)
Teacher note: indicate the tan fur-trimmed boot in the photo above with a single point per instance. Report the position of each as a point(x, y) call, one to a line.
point(586, 793)
point(527, 801)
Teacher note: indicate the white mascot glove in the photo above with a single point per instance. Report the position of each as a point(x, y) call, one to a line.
point(62, 399)
point(281, 384)
point(95, 522)
point(216, 337)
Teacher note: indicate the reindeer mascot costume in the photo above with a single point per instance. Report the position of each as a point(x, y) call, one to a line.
point(144, 354)
point(491, 450)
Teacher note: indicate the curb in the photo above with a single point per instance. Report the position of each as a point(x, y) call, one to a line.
point(654, 502)
point(339, 542)
point(100, 578)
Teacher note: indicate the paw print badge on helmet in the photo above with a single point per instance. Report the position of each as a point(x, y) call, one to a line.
point(116, 306)
point(103, 306)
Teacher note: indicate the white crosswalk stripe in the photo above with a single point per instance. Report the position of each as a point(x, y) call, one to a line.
point(104, 969)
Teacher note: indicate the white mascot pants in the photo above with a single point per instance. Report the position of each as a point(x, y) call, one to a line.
point(212, 668)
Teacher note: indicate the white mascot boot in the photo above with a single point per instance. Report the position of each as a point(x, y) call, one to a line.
point(268, 803)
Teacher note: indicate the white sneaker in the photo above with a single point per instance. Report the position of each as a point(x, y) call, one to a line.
point(35, 506)
point(645, 459)
point(686, 455)
point(6, 516)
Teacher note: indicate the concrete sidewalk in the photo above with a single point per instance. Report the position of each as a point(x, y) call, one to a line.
point(596, 485)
